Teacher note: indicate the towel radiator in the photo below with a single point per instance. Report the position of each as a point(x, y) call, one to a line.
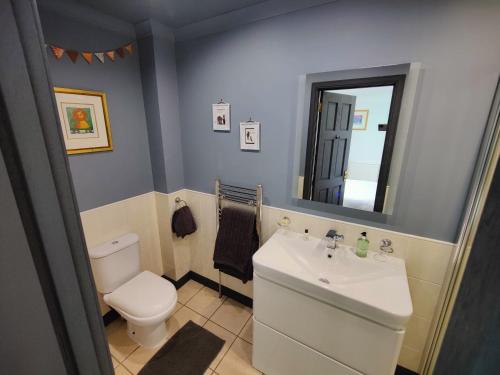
point(241, 195)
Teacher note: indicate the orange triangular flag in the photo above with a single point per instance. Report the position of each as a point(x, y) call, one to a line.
point(121, 52)
point(87, 56)
point(73, 55)
point(57, 51)
point(111, 55)
point(129, 48)
point(100, 56)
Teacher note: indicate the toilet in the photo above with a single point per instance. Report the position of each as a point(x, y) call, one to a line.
point(144, 299)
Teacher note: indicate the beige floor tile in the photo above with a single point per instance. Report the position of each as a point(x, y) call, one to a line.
point(177, 307)
point(180, 318)
point(136, 361)
point(115, 362)
point(232, 315)
point(238, 360)
point(188, 290)
point(120, 370)
point(208, 372)
point(247, 331)
point(205, 302)
point(120, 345)
point(225, 335)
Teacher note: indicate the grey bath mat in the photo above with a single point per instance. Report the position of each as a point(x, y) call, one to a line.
point(189, 352)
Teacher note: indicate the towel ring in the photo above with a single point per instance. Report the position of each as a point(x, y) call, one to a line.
point(179, 201)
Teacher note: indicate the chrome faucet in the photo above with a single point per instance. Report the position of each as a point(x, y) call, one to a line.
point(332, 237)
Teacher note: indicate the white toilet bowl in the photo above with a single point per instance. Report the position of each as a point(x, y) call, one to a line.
point(145, 302)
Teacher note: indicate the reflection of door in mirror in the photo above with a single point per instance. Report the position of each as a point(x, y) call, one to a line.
point(335, 128)
point(351, 135)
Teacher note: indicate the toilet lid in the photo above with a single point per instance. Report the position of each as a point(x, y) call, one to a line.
point(144, 296)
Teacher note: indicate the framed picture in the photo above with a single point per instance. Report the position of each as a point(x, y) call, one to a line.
point(250, 136)
point(84, 120)
point(360, 120)
point(221, 117)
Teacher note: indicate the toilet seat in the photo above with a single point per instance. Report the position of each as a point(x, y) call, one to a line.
point(144, 299)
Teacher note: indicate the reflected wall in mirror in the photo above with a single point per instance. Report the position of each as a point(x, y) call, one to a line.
point(350, 141)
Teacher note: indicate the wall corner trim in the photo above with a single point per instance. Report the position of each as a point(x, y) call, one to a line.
point(151, 27)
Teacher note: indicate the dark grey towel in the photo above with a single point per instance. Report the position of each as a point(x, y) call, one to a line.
point(237, 241)
point(183, 222)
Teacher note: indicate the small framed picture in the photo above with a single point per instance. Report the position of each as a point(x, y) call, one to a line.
point(84, 120)
point(250, 136)
point(360, 120)
point(221, 117)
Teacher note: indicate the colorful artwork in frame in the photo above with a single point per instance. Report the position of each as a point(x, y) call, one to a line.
point(80, 120)
point(360, 119)
point(84, 120)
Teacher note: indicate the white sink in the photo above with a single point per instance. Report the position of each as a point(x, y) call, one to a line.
point(368, 287)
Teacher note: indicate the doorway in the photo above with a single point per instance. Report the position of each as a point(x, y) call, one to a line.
point(351, 135)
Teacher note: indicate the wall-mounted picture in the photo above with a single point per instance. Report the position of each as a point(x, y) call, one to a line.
point(360, 120)
point(84, 120)
point(250, 136)
point(221, 117)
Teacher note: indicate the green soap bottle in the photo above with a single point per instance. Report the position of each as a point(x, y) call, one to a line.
point(362, 246)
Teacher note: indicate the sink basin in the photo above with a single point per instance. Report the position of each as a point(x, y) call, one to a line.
point(374, 288)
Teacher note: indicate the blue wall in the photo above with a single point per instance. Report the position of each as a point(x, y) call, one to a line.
point(104, 177)
point(256, 68)
point(159, 80)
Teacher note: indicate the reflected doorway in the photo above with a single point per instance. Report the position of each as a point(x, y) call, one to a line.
point(352, 128)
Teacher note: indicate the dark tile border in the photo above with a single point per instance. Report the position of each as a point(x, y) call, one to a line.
point(179, 283)
point(244, 300)
point(110, 317)
point(400, 370)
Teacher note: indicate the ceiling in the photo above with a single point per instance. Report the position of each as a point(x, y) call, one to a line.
point(173, 13)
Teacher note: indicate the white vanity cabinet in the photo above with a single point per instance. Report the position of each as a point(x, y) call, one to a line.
point(348, 322)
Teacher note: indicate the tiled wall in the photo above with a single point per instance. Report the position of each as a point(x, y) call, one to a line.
point(177, 250)
point(136, 214)
point(149, 216)
point(426, 261)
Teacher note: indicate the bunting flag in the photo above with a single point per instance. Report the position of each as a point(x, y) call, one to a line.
point(99, 56)
point(57, 51)
point(111, 55)
point(129, 48)
point(121, 52)
point(87, 56)
point(72, 54)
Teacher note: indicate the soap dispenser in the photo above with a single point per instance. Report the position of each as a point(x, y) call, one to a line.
point(362, 246)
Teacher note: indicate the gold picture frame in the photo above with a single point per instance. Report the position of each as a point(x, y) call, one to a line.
point(360, 121)
point(84, 120)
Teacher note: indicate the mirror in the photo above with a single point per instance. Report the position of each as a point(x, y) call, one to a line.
point(353, 144)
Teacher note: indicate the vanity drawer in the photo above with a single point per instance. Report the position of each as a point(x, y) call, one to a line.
point(357, 342)
point(277, 354)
